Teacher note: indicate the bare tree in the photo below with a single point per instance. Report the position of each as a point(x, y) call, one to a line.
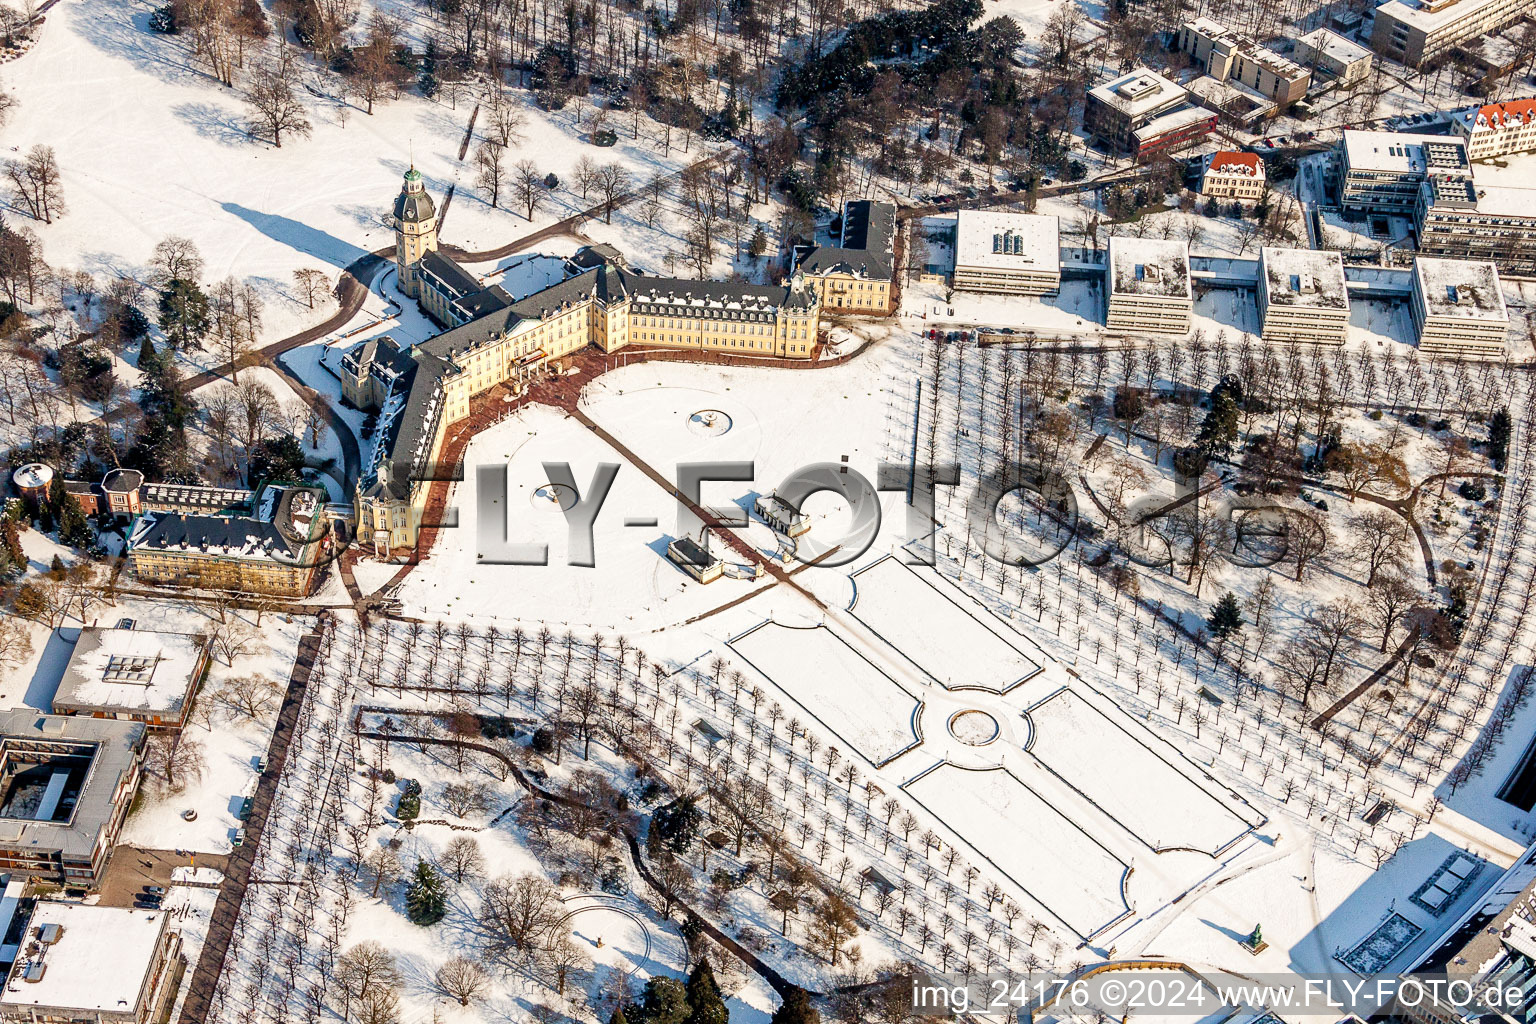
point(254, 696)
point(35, 184)
point(275, 108)
point(491, 172)
point(462, 858)
point(519, 912)
point(367, 965)
point(465, 799)
point(527, 186)
point(1380, 539)
point(232, 638)
point(463, 979)
point(175, 259)
point(612, 180)
point(312, 284)
point(174, 759)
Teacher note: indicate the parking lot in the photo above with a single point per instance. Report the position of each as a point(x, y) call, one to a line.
point(132, 868)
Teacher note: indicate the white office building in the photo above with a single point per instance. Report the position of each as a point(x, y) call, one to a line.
point(1302, 296)
point(1147, 282)
point(1007, 253)
point(1458, 307)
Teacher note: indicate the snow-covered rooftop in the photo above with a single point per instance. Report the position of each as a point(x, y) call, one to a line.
point(1507, 190)
point(1429, 16)
point(1137, 92)
point(32, 475)
point(1012, 241)
point(135, 670)
point(1497, 116)
point(1468, 289)
point(99, 962)
point(1304, 277)
point(1231, 162)
point(1404, 152)
point(1148, 266)
point(1172, 122)
point(1329, 42)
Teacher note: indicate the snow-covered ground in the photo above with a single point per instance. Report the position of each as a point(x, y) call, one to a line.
point(868, 710)
point(956, 646)
point(150, 145)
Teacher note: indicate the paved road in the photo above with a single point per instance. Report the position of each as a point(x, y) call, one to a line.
point(237, 872)
point(351, 454)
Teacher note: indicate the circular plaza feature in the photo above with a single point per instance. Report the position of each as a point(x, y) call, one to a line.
point(709, 423)
point(973, 727)
point(553, 497)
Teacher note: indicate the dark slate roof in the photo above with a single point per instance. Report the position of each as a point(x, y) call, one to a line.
point(414, 207)
point(122, 480)
point(595, 255)
point(866, 244)
point(485, 302)
point(458, 280)
point(868, 225)
point(216, 535)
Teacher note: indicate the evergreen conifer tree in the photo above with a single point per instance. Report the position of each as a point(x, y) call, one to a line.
point(426, 902)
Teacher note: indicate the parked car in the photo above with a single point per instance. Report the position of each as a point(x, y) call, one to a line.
point(239, 839)
point(245, 809)
point(142, 904)
point(261, 766)
point(155, 890)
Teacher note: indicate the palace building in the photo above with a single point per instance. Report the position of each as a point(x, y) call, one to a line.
point(494, 337)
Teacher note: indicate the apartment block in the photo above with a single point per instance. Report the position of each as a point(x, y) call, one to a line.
point(104, 965)
point(66, 783)
point(1474, 218)
point(1007, 253)
point(1330, 54)
point(1225, 56)
point(1117, 108)
point(1382, 171)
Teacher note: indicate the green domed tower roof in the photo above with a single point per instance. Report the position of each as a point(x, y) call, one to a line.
point(413, 205)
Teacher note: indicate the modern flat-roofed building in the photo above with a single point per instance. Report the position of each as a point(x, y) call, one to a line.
point(1475, 219)
point(1382, 171)
point(1495, 129)
point(1415, 31)
point(1173, 131)
point(1117, 108)
point(105, 965)
point(1330, 54)
point(1231, 175)
point(138, 675)
point(1302, 296)
point(1007, 253)
point(1458, 307)
point(65, 787)
point(1226, 55)
point(1147, 282)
